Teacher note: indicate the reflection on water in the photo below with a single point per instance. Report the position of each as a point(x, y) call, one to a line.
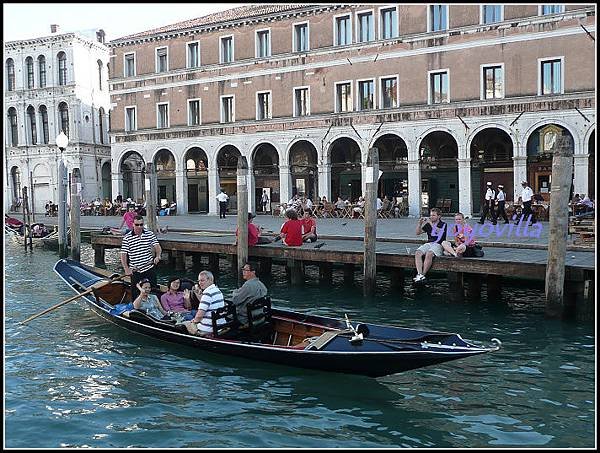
point(84, 382)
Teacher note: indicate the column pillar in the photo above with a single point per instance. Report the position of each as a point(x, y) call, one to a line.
point(117, 184)
point(325, 181)
point(181, 192)
point(520, 174)
point(251, 189)
point(414, 188)
point(213, 190)
point(580, 176)
point(465, 199)
point(285, 184)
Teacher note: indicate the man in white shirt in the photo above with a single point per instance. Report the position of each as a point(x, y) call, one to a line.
point(501, 200)
point(488, 203)
point(222, 199)
point(526, 196)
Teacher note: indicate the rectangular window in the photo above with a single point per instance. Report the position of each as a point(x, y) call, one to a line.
point(343, 30)
point(389, 92)
point(130, 120)
point(301, 37)
point(388, 23)
point(227, 109)
point(491, 14)
point(301, 101)
point(551, 77)
point(493, 82)
point(227, 49)
point(263, 43)
point(193, 54)
point(129, 65)
point(263, 105)
point(551, 9)
point(162, 115)
point(343, 97)
point(194, 112)
point(438, 17)
point(438, 87)
point(366, 95)
point(366, 27)
point(161, 59)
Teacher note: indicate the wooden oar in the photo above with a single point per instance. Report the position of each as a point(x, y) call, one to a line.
point(87, 291)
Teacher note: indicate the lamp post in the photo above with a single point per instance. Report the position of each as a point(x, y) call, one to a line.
point(62, 141)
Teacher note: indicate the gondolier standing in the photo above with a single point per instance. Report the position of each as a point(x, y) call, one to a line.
point(140, 252)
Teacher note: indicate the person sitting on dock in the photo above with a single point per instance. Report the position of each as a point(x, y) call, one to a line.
point(148, 302)
point(464, 241)
point(254, 232)
point(310, 228)
point(251, 290)
point(173, 299)
point(211, 298)
point(436, 233)
point(291, 231)
point(127, 220)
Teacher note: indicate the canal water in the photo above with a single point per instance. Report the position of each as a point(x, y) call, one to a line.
point(74, 380)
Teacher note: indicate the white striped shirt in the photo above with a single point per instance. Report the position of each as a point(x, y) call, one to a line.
point(212, 298)
point(139, 249)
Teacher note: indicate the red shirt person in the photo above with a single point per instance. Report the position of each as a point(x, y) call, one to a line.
point(310, 228)
point(292, 229)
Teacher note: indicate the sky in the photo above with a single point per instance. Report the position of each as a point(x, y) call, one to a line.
point(33, 20)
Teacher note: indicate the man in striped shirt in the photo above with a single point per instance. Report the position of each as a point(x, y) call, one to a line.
point(211, 298)
point(140, 252)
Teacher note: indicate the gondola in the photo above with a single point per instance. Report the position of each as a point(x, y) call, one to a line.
point(282, 336)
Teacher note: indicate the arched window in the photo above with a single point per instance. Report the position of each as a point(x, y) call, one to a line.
point(62, 68)
point(32, 128)
point(16, 177)
point(14, 129)
point(44, 115)
point(10, 75)
point(29, 66)
point(63, 111)
point(101, 122)
point(100, 74)
point(42, 71)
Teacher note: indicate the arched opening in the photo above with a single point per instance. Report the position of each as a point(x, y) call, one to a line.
point(42, 192)
point(15, 178)
point(164, 164)
point(44, 117)
point(345, 169)
point(196, 171)
point(265, 167)
point(540, 145)
point(101, 115)
point(29, 68)
point(439, 172)
point(31, 125)
point(14, 128)
point(106, 181)
point(491, 160)
point(592, 165)
point(393, 162)
point(42, 71)
point(10, 74)
point(227, 160)
point(63, 113)
point(133, 170)
point(303, 168)
point(62, 68)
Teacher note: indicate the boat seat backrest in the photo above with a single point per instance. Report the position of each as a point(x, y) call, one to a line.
point(229, 314)
point(259, 313)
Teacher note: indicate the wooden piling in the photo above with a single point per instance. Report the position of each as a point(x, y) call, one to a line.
point(397, 278)
point(151, 195)
point(27, 231)
point(369, 266)
point(75, 216)
point(32, 197)
point(242, 216)
point(99, 256)
point(562, 177)
point(348, 274)
point(494, 288)
point(325, 273)
point(296, 272)
point(62, 209)
point(456, 287)
point(473, 288)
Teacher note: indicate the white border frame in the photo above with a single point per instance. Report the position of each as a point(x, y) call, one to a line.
point(256, 32)
point(482, 81)
point(429, 93)
point(270, 93)
point(134, 63)
point(168, 114)
point(335, 18)
point(562, 74)
point(156, 49)
point(356, 103)
point(388, 7)
point(294, 25)
point(199, 111)
point(379, 80)
point(357, 28)
point(481, 22)
point(134, 107)
point(335, 85)
point(294, 112)
point(562, 9)
point(187, 55)
point(429, 24)
point(221, 120)
point(221, 38)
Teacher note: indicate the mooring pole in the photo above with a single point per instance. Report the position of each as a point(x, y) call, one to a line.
point(562, 177)
point(75, 215)
point(242, 216)
point(32, 197)
point(372, 177)
point(62, 209)
point(150, 189)
point(28, 230)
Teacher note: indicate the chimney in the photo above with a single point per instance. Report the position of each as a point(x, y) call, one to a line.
point(54, 28)
point(100, 36)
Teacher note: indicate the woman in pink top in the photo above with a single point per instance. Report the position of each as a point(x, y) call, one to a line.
point(464, 240)
point(173, 299)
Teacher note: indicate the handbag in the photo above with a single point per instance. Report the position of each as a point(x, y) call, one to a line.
point(478, 251)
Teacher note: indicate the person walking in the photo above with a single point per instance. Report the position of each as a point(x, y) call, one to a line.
point(140, 252)
point(488, 201)
point(222, 198)
point(526, 197)
point(501, 200)
point(264, 201)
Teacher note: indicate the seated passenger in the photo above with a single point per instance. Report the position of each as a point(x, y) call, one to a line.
point(211, 298)
point(251, 290)
point(174, 300)
point(147, 301)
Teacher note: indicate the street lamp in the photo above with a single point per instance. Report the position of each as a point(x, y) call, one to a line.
point(62, 141)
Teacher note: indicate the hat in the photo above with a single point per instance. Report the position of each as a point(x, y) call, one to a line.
point(500, 186)
point(523, 182)
point(251, 216)
point(489, 183)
